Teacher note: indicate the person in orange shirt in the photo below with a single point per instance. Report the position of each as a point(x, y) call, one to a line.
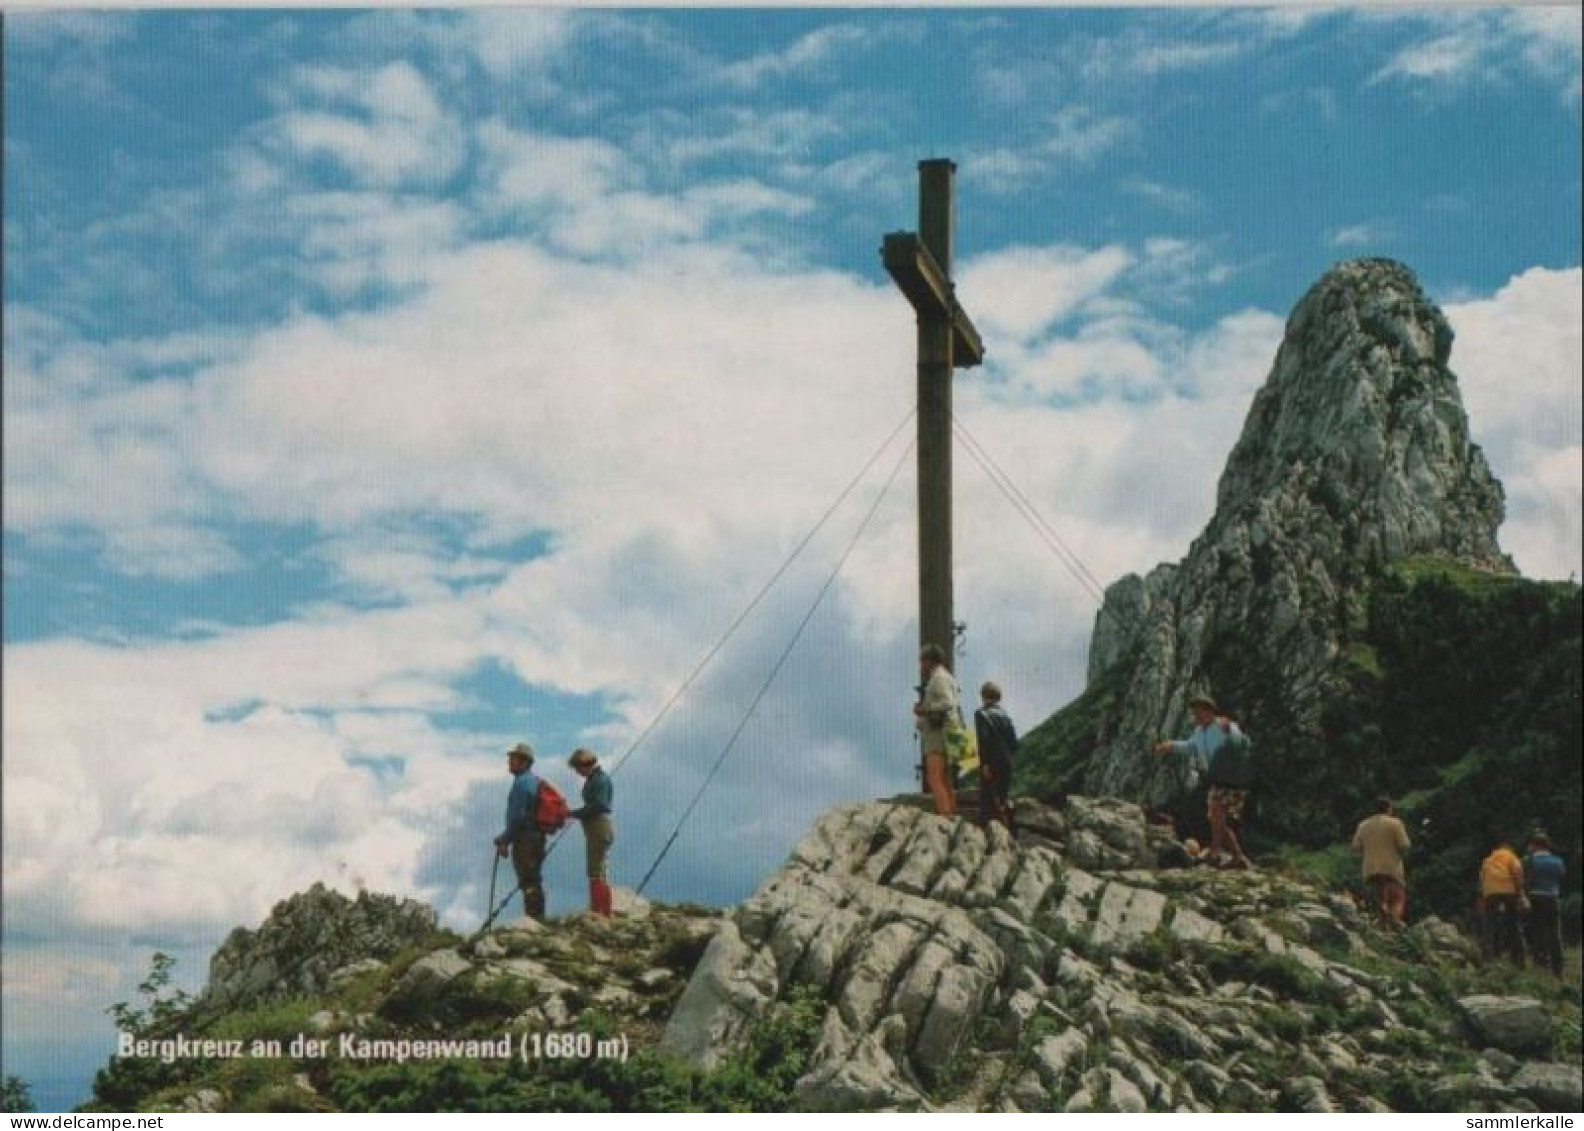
point(1501, 902)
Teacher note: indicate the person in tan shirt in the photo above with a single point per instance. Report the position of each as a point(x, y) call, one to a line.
point(1382, 840)
point(934, 711)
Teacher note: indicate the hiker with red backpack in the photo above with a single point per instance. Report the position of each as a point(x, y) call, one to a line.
point(598, 832)
point(523, 838)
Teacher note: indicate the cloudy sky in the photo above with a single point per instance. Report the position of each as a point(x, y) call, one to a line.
point(384, 389)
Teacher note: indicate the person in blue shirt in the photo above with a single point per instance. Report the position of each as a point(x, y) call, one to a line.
point(522, 838)
point(998, 741)
point(1543, 872)
point(598, 831)
point(1225, 801)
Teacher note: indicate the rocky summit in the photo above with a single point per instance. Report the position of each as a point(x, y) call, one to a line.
point(1355, 454)
point(899, 961)
point(963, 969)
point(310, 939)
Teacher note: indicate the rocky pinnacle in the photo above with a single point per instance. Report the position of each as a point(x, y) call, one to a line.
point(1355, 454)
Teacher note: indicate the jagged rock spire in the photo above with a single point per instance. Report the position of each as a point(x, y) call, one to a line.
point(1358, 441)
point(1355, 454)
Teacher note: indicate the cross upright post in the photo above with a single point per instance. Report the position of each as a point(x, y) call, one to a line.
point(920, 263)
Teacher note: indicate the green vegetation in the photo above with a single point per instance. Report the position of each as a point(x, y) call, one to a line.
point(760, 1078)
point(1053, 756)
point(16, 1096)
point(1458, 695)
point(160, 1002)
point(1483, 728)
point(1334, 865)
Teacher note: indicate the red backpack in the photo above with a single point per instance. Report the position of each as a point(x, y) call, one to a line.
point(550, 808)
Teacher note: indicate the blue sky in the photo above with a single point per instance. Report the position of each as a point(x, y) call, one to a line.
point(385, 388)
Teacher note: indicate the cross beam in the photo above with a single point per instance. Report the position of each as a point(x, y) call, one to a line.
point(927, 287)
point(920, 263)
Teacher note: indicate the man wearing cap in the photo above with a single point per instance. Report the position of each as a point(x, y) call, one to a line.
point(1213, 733)
point(598, 832)
point(522, 839)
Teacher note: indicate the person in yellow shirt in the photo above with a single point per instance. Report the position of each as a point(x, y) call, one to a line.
point(1502, 902)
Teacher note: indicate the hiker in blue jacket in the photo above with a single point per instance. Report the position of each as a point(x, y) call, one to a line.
point(1213, 739)
point(522, 838)
point(998, 741)
point(1543, 872)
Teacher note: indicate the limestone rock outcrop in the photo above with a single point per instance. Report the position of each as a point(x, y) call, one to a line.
point(1355, 453)
point(965, 969)
point(899, 961)
point(308, 940)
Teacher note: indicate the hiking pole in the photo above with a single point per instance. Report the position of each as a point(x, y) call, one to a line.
point(489, 920)
point(494, 872)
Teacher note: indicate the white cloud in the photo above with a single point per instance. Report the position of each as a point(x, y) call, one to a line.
point(1177, 200)
point(1352, 236)
point(1283, 23)
point(385, 128)
point(1077, 134)
point(40, 29)
point(356, 240)
point(1544, 502)
point(209, 812)
point(1519, 360)
point(1162, 58)
point(671, 446)
point(588, 199)
point(540, 169)
point(509, 43)
point(785, 135)
point(615, 407)
point(1465, 45)
point(808, 53)
point(1447, 56)
point(1551, 40)
point(1143, 54)
point(1172, 269)
point(1021, 291)
point(69, 980)
point(1072, 135)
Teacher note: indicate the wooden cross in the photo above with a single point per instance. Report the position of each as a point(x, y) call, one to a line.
point(920, 263)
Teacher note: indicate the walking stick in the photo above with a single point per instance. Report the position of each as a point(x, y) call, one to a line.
point(494, 911)
point(494, 872)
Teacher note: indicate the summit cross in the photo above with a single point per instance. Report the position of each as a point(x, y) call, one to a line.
point(920, 263)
